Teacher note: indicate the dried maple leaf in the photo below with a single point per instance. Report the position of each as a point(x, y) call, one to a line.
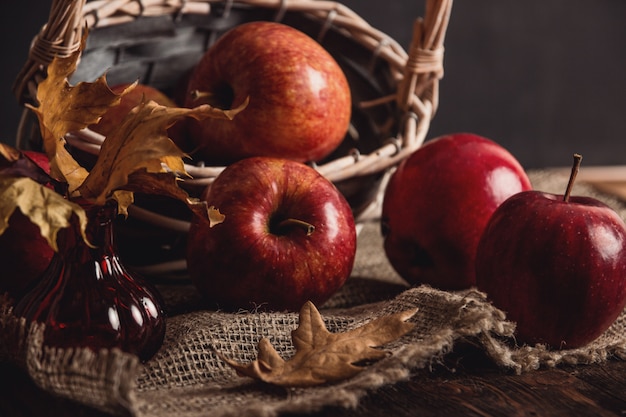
point(141, 143)
point(65, 108)
point(322, 356)
point(46, 208)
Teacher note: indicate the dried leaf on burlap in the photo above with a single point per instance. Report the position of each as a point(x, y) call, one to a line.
point(46, 208)
point(322, 356)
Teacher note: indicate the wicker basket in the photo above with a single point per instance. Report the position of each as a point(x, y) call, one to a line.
point(395, 93)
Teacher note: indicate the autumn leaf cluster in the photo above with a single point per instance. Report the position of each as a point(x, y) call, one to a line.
point(138, 156)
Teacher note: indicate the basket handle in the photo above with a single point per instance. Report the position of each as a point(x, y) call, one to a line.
point(424, 66)
point(61, 36)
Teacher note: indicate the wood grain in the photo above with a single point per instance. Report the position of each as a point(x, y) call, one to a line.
point(464, 383)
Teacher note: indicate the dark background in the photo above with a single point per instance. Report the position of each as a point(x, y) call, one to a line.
point(544, 78)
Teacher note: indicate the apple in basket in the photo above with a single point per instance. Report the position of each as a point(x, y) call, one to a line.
point(287, 236)
point(556, 265)
point(299, 98)
point(437, 203)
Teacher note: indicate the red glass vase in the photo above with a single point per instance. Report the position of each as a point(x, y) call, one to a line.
point(87, 298)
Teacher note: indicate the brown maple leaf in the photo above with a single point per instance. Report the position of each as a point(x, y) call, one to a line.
point(65, 108)
point(141, 143)
point(321, 356)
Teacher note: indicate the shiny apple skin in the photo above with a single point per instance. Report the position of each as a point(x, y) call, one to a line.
point(558, 269)
point(437, 203)
point(247, 262)
point(300, 100)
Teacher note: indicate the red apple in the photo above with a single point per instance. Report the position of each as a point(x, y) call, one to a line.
point(556, 265)
point(288, 237)
point(24, 252)
point(300, 100)
point(437, 203)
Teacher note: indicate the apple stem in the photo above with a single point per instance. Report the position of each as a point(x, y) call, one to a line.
point(307, 227)
point(572, 177)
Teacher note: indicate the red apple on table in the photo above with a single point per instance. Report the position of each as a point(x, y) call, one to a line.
point(299, 99)
point(556, 265)
point(437, 203)
point(288, 236)
point(24, 252)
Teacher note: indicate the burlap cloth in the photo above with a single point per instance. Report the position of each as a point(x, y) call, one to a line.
point(187, 379)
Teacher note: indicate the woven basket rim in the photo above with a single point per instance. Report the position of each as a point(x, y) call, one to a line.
point(417, 72)
point(415, 75)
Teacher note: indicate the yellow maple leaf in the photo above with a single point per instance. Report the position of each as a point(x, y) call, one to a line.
point(46, 208)
point(321, 356)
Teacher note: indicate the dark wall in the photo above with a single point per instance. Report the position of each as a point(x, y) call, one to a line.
point(19, 23)
point(545, 78)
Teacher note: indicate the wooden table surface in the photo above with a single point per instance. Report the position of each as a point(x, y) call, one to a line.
point(465, 383)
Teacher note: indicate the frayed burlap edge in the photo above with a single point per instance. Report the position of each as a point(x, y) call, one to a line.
point(442, 319)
